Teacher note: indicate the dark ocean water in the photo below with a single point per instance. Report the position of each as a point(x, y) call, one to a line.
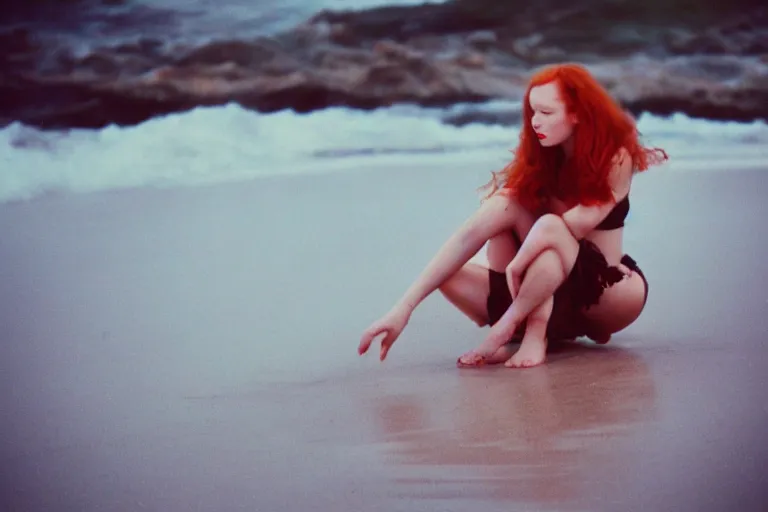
point(96, 23)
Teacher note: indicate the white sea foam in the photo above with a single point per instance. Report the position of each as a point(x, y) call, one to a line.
point(229, 143)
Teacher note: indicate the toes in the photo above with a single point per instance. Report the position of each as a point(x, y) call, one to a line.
point(470, 361)
point(525, 363)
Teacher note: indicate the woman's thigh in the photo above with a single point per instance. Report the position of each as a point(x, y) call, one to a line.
point(468, 289)
point(501, 249)
point(619, 306)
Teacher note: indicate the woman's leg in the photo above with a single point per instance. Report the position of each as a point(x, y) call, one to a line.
point(469, 288)
point(542, 278)
point(533, 349)
point(619, 306)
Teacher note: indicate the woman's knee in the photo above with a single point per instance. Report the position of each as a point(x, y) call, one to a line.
point(552, 225)
point(553, 228)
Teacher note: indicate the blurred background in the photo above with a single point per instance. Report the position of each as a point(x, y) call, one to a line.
point(107, 94)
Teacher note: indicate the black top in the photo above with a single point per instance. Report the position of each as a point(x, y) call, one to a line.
point(615, 219)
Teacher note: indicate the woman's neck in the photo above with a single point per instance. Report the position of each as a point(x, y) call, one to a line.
point(567, 146)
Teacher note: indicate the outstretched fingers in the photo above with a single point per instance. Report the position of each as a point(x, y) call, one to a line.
point(368, 336)
point(386, 344)
point(371, 334)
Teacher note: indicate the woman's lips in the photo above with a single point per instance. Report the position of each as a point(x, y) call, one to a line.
point(541, 136)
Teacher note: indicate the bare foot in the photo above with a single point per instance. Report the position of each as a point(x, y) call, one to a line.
point(532, 352)
point(474, 359)
point(486, 351)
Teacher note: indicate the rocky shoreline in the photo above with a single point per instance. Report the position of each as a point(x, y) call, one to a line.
point(714, 65)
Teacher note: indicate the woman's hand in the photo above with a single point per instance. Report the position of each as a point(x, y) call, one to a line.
point(391, 324)
point(514, 277)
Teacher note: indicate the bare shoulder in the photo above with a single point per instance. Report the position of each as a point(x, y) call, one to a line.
point(620, 176)
point(621, 160)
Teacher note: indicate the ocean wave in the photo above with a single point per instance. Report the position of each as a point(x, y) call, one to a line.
point(231, 143)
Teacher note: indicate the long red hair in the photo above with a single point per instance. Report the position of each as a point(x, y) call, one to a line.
point(537, 172)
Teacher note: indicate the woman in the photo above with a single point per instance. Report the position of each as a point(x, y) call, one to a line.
point(556, 267)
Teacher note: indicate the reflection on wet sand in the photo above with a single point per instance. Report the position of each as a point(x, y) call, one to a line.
point(530, 435)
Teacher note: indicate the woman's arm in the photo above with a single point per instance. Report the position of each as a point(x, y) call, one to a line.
point(580, 219)
point(493, 217)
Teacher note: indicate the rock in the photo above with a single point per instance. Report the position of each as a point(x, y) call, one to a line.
point(624, 39)
point(341, 34)
point(666, 88)
point(18, 50)
point(471, 60)
point(335, 59)
point(433, 54)
point(754, 43)
point(397, 52)
point(688, 43)
point(716, 70)
point(17, 41)
point(482, 39)
point(144, 46)
point(525, 46)
point(401, 23)
point(241, 53)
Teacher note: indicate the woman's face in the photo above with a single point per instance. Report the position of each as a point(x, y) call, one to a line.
point(551, 121)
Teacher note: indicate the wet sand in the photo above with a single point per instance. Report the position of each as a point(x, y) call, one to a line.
point(195, 349)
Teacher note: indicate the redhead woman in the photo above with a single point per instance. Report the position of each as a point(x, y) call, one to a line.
point(553, 223)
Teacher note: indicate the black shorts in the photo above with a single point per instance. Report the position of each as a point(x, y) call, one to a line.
point(583, 287)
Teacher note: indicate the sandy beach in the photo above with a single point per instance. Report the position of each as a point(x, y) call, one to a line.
point(195, 349)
